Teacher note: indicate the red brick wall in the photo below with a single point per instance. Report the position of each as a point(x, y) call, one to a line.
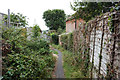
point(70, 25)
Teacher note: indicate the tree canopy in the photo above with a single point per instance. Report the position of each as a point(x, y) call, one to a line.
point(54, 19)
point(88, 10)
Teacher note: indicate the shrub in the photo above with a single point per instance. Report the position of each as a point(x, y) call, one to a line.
point(38, 45)
point(70, 42)
point(21, 66)
point(55, 39)
point(36, 31)
point(24, 58)
point(67, 41)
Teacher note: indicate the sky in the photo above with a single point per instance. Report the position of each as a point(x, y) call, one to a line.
point(34, 9)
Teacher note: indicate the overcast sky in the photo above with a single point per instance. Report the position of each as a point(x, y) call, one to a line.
point(34, 9)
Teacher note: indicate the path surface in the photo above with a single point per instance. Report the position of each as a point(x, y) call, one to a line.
point(59, 68)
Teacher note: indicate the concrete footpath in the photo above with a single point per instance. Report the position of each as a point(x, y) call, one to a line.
point(59, 68)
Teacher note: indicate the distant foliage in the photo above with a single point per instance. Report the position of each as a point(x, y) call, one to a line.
point(55, 39)
point(54, 19)
point(36, 31)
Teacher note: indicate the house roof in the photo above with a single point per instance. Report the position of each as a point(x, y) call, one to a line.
point(72, 18)
point(2, 14)
point(64, 33)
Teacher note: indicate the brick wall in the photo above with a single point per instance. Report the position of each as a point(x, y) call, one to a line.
point(70, 24)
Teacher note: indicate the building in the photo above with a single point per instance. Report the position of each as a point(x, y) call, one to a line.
point(1, 20)
point(72, 24)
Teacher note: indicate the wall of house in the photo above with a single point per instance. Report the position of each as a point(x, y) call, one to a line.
point(1, 20)
point(70, 24)
point(79, 22)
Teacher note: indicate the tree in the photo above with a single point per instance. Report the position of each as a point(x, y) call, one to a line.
point(17, 19)
point(54, 19)
point(88, 10)
point(36, 31)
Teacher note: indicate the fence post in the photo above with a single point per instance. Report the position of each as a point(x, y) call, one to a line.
point(8, 17)
point(100, 55)
point(112, 72)
point(93, 51)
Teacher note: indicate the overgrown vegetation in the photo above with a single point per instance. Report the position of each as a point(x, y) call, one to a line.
point(67, 41)
point(80, 54)
point(25, 59)
point(36, 31)
point(84, 44)
point(54, 38)
point(17, 19)
point(89, 10)
point(72, 63)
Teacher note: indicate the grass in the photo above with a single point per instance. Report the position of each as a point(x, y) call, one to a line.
point(57, 47)
point(53, 51)
point(72, 69)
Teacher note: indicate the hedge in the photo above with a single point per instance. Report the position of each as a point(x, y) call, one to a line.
point(67, 41)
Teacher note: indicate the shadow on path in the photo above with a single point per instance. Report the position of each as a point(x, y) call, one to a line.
point(59, 68)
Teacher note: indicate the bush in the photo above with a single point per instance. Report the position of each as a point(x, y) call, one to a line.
point(36, 31)
point(20, 66)
point(55, 39)
point(67, 41)
point(70, 42)
point(38, 45)
point(24, 58)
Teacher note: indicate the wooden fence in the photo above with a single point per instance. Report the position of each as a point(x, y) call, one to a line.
point(99, 40)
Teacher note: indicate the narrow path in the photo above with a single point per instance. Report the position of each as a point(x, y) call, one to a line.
point(59, 68)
